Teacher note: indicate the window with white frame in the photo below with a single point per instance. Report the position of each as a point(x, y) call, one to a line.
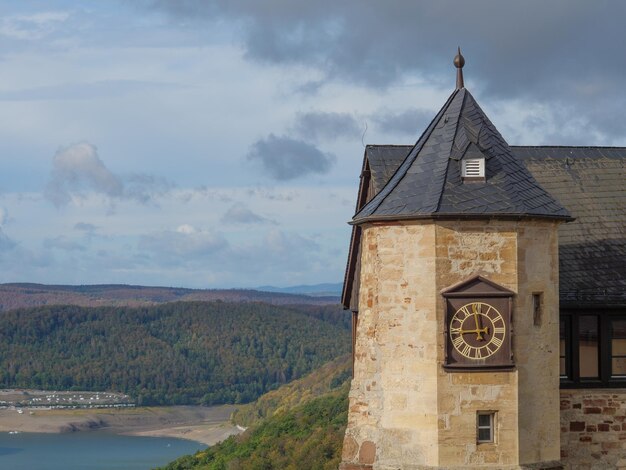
point(485, 426)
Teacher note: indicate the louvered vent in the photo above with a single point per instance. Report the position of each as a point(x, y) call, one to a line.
point(474, 168)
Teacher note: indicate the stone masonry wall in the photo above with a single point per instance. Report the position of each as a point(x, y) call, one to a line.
point(466, 248)
point(393, 399)
point(406, 411)
point(593, 429)
point(536, 345)
point(523, 257)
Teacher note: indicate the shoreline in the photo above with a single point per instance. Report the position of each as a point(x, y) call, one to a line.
point(207, 425)
point(204, 434)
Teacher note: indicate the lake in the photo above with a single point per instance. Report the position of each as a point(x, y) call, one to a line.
point(89, 451)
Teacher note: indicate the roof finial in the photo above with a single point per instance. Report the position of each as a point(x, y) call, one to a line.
point(459, 62)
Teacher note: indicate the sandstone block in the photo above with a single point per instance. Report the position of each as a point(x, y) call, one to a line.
point(350, 449)
point(367, 453)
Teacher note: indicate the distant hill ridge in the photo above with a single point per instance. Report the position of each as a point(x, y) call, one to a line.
point(325, 289)
point(25, 295)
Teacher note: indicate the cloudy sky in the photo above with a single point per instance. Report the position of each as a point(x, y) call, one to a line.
point(218, 143)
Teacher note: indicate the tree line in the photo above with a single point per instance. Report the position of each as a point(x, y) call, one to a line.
point(176, 353)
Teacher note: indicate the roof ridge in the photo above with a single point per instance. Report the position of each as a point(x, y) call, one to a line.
point(390, 145)
point(509, 158)
point(525, 146)
point(387, 189)
point(563, 146)
point(456, 131)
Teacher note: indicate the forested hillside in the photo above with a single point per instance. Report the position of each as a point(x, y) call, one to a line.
point(175, 353)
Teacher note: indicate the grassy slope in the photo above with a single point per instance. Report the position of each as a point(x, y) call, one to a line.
point(308, 436)
point(328, 377)
point(298, 426)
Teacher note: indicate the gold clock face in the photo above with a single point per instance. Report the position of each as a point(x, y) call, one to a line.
point(477, 330)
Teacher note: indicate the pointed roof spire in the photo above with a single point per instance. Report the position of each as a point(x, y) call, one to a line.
point(459, 62)
point(429, 183)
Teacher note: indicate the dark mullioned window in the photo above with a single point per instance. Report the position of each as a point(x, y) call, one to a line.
point(592, 348)
point(618, 348)
point(588, 347)
point(564, 347)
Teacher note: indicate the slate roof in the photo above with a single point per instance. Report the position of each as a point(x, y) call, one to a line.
point(428, 182)
point(383, 161)
point(590, 182)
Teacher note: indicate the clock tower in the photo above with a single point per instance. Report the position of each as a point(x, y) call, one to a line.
point(453, 283)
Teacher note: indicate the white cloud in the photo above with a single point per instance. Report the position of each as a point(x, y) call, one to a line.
point(63, 243)
point(198, 252)
point(85, 227)
point(103, 89)
point(186, 228)
point(239, 213)
point(77, 170)
point(184, 245)
point(6, 244)
point(286, 245)
point(4, 216)
point(32, 27)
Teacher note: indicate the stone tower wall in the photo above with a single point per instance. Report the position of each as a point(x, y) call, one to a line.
point(406, 411)
point(522, 256)
point(393, 399)
point(464, 249)
point(537, 346)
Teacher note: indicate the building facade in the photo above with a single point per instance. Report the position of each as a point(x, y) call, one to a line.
point(471, 348)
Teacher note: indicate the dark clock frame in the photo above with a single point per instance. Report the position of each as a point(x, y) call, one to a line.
point(478, 289)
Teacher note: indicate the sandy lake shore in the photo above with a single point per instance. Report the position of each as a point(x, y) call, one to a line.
point(208, 425)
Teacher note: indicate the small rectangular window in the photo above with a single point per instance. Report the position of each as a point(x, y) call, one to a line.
point(537, 308)
point(485, 426)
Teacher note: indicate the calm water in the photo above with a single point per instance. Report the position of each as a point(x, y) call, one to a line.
point(89, 451)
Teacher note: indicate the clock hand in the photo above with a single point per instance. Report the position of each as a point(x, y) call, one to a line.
point(479, 336)
point(477, 330)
